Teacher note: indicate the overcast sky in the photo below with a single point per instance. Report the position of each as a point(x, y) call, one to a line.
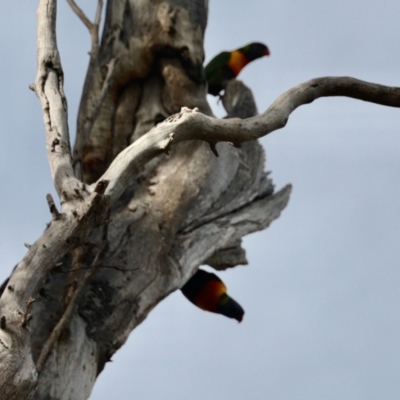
point(321, 292)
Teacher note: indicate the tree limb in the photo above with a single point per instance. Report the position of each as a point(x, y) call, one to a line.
point(192, 125)
point(99, 9)
point(81, 15)
point(93, 27)
point(50, 91)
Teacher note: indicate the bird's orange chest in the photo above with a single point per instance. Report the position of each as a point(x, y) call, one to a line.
point(208, 298)
point(237, 61)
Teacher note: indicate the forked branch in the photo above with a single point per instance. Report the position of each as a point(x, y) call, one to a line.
point(93, 27)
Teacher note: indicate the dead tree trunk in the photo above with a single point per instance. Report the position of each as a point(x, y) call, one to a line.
point(183, 208)
point(142, 205)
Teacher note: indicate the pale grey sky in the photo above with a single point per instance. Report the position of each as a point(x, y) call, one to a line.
point(321, 292)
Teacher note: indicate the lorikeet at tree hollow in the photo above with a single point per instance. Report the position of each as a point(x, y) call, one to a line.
point(208, 292)
point(228, 64)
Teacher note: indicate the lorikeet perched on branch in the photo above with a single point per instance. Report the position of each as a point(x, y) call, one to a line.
point(208, 292)
point(228, 64)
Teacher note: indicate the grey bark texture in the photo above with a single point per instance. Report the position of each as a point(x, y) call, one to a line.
point(144, 200)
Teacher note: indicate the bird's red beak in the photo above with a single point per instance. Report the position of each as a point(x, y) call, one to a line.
point(267, 53)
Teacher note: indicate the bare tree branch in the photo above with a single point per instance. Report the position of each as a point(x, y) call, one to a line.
point(49, 89)
point(99, 9)
point(81, 15)
point(52, 207)
point(92, 27)
point(191, 125)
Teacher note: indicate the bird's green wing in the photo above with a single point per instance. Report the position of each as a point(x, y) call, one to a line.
point(219, 61)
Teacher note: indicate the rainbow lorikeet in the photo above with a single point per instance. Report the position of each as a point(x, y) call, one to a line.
point(208, 292)
point(228, 64)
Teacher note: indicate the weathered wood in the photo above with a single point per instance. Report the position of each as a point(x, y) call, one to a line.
point(50, 91)
point(147, 184)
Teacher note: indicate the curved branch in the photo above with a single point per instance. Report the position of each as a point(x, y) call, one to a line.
point(191, 125)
